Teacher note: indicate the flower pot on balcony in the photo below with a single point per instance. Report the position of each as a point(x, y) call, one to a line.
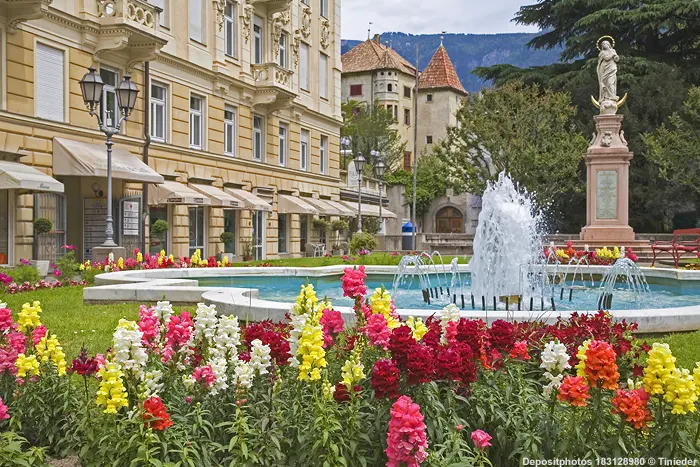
point(42, 266)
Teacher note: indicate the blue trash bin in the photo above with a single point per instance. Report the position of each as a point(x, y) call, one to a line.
point(407, 236)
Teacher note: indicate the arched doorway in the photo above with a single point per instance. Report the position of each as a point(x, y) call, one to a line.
point(449, 220)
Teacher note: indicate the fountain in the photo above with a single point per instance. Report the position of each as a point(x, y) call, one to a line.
point(424, 266)
point(507, 257)
point(626, 272)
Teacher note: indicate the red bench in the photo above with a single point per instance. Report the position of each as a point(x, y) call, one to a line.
point(684, 241)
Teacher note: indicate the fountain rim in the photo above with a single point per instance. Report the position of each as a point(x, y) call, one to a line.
point(180, 286)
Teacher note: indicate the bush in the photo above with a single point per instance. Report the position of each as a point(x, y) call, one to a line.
point(362, 241)
point(159, 227)
point(227, 237)
point(340, 225)
point(42, 225)
point(24, 273)
point(88, 274)
point(67, 266)
point(321, 225)
point(13, 451)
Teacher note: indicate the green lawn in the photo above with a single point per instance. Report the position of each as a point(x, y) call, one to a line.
point(685, 347)
point(373, 259)
point(73, 322)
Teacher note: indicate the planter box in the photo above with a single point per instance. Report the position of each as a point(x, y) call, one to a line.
point(42, 266)
point(338, 252)
point(231, 257)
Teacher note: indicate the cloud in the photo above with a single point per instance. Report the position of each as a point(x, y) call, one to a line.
point(430, 16)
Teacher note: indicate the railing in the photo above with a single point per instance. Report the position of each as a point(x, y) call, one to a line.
point(369, 185)
point(272, 75)
point(134, 12)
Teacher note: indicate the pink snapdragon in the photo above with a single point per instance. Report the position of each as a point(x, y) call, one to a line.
point(406, 439)
point(39, 333)
point(481, 439)
point(8, 357)
point(6, 322)
point(3, 411)
point(149, 325)
point(354, 282)
point(377, 331)
point(177, 334)
point(332, 322)
point(17, 341)
point(204, 374)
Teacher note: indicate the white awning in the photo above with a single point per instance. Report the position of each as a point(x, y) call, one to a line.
point(17, 176)
point(217, 196)
point(325, 208)
point(288, 204)
point(170, 192)
point(249, 200)
point(342, 208)
point(81, 159)
point(371, 210)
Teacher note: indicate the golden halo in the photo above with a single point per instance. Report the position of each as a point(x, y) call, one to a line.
point(597, 44)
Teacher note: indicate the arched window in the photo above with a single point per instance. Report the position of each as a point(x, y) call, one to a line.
point(449, 220)
point(389, 87)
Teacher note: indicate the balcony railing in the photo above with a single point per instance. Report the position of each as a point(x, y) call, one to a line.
point(132, 12)
point(273, 6)
point(370, 185)
point(272, 75)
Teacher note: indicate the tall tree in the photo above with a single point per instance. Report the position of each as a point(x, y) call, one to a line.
point(371, 128)
point(431, 181)
point(525, 132)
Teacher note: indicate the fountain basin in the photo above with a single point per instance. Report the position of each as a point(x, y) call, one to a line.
point(188, 286)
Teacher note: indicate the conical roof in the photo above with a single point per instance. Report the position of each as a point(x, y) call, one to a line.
point(372, 55)
point(440, 73)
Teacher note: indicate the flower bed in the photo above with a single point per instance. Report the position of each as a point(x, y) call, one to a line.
point(208, 390)
point(600, 257)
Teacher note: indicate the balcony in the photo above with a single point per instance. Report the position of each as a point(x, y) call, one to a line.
point(273, 86)
point(273, 6)
point(19, 11)
point(131, 25)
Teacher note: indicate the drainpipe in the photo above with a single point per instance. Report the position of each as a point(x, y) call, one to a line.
point(147, 143)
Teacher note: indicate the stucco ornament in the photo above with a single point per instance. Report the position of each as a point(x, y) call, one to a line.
point(606, 141)
point(608, 101)
point(325, 33)
point(306, 20)
point(247, 20)
point(296, 44)
point(220, 6)
point(278, 21)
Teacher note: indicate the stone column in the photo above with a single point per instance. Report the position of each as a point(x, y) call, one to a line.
point(607, 167)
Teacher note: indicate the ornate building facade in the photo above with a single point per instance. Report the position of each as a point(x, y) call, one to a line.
point(236, 126)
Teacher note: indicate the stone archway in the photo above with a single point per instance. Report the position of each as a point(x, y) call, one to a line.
point(449, 220)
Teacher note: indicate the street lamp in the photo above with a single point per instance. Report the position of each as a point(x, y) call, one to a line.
point(379, 170)
point(92, 86)
point(359, 167)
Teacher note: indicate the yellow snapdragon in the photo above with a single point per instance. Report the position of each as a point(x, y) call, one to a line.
point(328, 390)
point(353, 370)
point(27, 365)
point(28, 317)
point(311, 355)
point(696, 378)
point(50, 349)
point(681, 391)
point(380, 302)
point(581, 355)
point(120, 263)
point(111, 394)
point(306, 302)
point(660, 365)
point(418, 328)
point(139, 257)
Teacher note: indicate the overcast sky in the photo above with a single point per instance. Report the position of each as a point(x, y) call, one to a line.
point(430, 16)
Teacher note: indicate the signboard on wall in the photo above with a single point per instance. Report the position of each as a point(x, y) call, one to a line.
point(95, 223)
point(131, 209)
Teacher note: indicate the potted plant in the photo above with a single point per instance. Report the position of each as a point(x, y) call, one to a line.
point(247, 251)
point(337, 226)
point(158, 230)
point(227, 238)
point(42, 226)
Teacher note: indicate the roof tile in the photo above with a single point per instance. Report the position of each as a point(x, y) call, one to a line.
point(372, 55)
point(440, 73)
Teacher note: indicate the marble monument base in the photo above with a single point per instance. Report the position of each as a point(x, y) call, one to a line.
point(612, 234)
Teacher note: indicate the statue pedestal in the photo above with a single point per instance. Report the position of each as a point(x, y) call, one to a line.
point(607, 198)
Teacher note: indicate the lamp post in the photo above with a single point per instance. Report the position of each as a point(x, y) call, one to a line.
point(379, 170)
point(359, 167)
point(92, 86)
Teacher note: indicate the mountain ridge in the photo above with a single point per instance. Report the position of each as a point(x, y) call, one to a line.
point(467, 51)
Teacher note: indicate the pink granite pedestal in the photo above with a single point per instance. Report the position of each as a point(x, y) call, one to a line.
point(607, 197)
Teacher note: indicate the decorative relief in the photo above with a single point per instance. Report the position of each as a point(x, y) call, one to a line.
point(306, 20)
point(20, 11)
point(247, 20)
point(296, 44)
point(138, 12)
point(622, 137)
point(278, 21)
point(325, 33)
point(607, 139)
point(220, 8)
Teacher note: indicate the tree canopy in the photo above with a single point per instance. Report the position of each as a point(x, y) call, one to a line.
point(431, 181)
point(523, 131)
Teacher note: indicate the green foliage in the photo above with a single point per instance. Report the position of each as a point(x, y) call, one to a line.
point(362, 241)
point(68, 266)
point(23, 273)
point(522, 131)
point(339, 225)
point(322, 225)
point(431, 181)
point(369, 128)
point(14, 451)
point(227, 237)
point(159, 227)
point(89, 274)
point(42, 225)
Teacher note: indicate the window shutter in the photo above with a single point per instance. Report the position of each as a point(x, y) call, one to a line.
point(196, 20)
point(48, 83)
point(323, 79)
point(304, 67)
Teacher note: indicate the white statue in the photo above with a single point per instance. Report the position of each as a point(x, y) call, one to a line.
point(607, 72)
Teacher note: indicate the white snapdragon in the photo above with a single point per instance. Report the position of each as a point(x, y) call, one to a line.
point(164, 310)
point(205, 322)
point(297, 326)
point(152, 383)
point(259, 356)
point(243, 374)
point(554, 383)
point(554, 357)
point(227, 338)
point(449, 314)
point(218, 367)
point(128, 349)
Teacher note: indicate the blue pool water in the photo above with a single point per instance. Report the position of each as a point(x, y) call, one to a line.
point(669, 294)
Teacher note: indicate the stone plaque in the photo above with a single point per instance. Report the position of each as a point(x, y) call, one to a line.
point(606, 194)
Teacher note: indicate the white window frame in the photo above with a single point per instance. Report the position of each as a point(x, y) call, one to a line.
point(108, 90)
point(283, 144)
point(304, 66)
point(259, 147)
point(155, 103)
point(323, 76)
point(230, 29)
point(191, 22)
point(230, 131)
point(285, 244)
point(64, 85)
point(205, 227)
point(163, 5)
point(323, 8)
point(323, 162)
point(304, 150)
point(258, 42)
point(283, 50)
point(197, 115)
